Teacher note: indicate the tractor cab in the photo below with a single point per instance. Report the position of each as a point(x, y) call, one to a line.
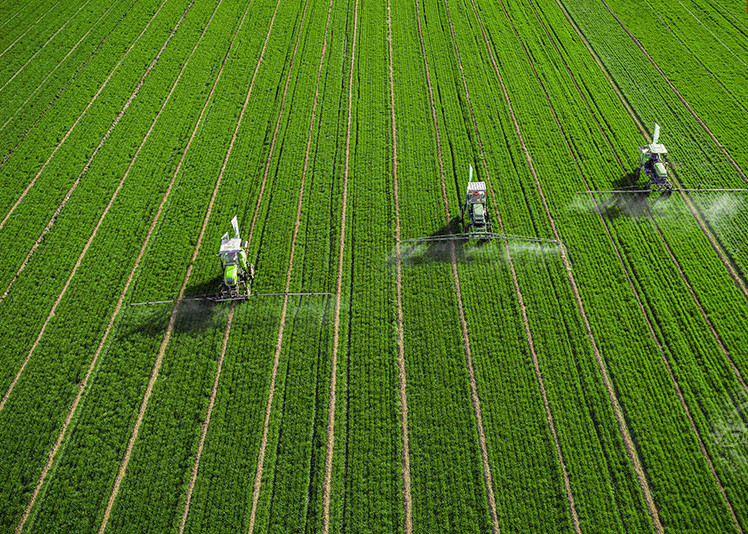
point(236, 270)
point(476, 216)
point(653, 162)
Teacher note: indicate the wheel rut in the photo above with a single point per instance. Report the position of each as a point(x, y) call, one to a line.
point(625, 268)
point(475, 399)
point(70, 130)
point(623, 428)
point(172, 319)
point(330, 446)
point(257, 484)
point(51, 222)
point(401, 369)
point(67, 84)
point(520, 298)
point(123, 294)
point(104, 139)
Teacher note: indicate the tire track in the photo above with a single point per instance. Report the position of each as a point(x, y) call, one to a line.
point(626, 269)
point(401, 374)
point(59, 93)
point(330, 446)
point(79, 261)
point(70, 130)
point(172, 319)
point(488, 479)
point(11, 45)
point(623, 428)
point(677, 93)
point(60, 62)
point(281, 328)
point(719, 249)
point(112, 318)
point(206, 422)
point(95, 152)
point(44, 45)
point(520, 298)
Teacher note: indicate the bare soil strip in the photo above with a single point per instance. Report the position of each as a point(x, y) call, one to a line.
point(172, 320)
point(729, 264)
point(488, 479)
point(520, 297)
point(327, 483)
point(206, 422)
point(110, 325)
point(626, 271)
point(59, 93)
point(401, 374)
point(121, 183)
point(284, 309)
point(677, 93)
point(623, 428)
point(44, 45)
point(104, 139)
point(57, 65)
point(11, 45)
point(70, 130)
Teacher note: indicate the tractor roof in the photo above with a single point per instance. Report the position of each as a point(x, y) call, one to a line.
point(657, 149)
point(476, 187)
point(231, 245)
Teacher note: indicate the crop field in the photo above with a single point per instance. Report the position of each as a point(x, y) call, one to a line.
point(585, 370)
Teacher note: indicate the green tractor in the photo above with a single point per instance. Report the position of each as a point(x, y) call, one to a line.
point(475, 218)
point(237, 271)
point(653, 162)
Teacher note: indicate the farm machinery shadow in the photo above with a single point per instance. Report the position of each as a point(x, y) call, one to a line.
point(441, 251)
point(193, 315)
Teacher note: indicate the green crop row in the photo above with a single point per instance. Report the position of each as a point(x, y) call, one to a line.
point(120, 48)
point(40, 83)
point(639, 417)
point(75, 223)
point(80, 320)
point(702, 372)
point(29, 18)
point(697, 159)
point(51, 35)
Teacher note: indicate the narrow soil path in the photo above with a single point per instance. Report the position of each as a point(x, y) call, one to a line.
point(38, 50)
point(677, 93)
point(70, 130)
point(718, 248)
point(51, 222)
point(115, 122)
point(626, 269)
point(330, 446)
point(488, 479)
point(172, 319)
point(520, 298)
point(206, 421)
point(401, 374)
point(60, 62)
point(257, 484)
point(112, 318)
point(11, 45)
point(623, 428)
